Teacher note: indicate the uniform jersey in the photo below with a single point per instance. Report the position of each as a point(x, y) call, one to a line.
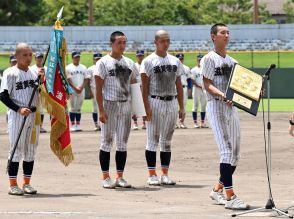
point(77, 74)
point(185, 75)
point(20, 85)
point(217, 69)
point(117, 75)
point(197, 76)
point(139, 76)
point(91, 76)
point(35, 68)
point(162, 73)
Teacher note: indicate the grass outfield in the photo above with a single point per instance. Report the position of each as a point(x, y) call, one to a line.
point(277, 105)
point(260, 59)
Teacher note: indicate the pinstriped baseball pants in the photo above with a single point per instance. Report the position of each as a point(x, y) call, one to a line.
point(117, 126)
point(162, 125)
point(25, 150)
point(225, 124)
point(199, 95)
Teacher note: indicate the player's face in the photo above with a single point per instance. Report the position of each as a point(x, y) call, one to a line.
point(140, 58)
point(24, 57)
point(162, 43)
point(13, 63)
point(222, 37)
point(119, 45)
point(198, 62)
point(76, 60)
point(39, 61)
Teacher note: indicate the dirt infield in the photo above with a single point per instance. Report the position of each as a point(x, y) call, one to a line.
point(76, 192)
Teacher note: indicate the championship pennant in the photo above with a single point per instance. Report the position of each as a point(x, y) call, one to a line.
point(244, 89)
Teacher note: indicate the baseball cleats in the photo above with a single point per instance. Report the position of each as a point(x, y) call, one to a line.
point(73, 128)
point(42, 130)
point(108, 184)
point(196, 126)
point(144, 126)
point(176, 126)
point(153, 181)
point(121, 182)
point(15, 190)
point(97, 128)
point(78, 128)
point(28, 189)
point(135, 127)
point(183, 126)
point(236, 204)
point(218, 197)
point(203, 125)
point(165, 180)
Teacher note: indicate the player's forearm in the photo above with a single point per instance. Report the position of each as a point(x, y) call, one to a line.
point(212, 89)
point(4, 96)
point(145, 92)
point(99, 99)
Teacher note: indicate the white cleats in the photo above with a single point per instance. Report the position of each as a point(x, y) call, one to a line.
point(108, 184)
point(218, 197)
point(165, 180)
point(153, 181)
point(15, 190)
point(121, 182)
point(28, 189)
point(236, 204)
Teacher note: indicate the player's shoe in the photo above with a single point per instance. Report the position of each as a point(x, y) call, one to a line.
point(183, 126)
point(153, 181)
point(165, 180)
point(176, 126)
point(203, 125)
point(73, 128)
point(42, 130)
point(28, 189)
point(108, 183)
point(121, 182)
point(135, 127)
point(15, 190)
point(218, 197)
point(144, 126)
point(78, 128)
point(236, 204)
point(97, 127)
point(196, 126)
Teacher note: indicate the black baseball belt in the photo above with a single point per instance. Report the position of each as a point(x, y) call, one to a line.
point(165, 98)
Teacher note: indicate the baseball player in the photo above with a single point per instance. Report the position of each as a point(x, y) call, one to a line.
point(114, 75)
point(199, 95)
point(184, 77)
point(16, 90)
point(162, 89)
point(222, 115)
point(77, 77)
point(39, 58)
point(140, 55)
point(291, 127)
point(96, 57)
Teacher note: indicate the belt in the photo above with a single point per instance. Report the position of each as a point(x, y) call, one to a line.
point(121, 101)
point(184, 86)
point(165, 98)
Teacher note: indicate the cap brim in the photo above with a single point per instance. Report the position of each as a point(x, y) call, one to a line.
point(77, 55)
point(13, 60)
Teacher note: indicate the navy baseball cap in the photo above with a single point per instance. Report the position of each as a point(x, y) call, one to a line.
point(12, 58)
point(200, 56)
point(97, 55)
point(140, 53)
point(39, 55)
point(75, 54)
point(180, 56)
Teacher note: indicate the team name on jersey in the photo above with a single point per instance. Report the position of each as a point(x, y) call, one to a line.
point(21, 85)
point(120, 71)
point(77, 72)
point(165, 68)
point(223, 70)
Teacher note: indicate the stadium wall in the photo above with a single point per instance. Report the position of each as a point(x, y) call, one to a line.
point(145, 33)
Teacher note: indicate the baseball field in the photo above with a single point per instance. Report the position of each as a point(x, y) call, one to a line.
point(75, 191)
point(283, 59)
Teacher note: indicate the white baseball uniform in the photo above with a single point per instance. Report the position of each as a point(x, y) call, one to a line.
point(93, 87)
point(117, 75)
point(185, 75)
point(139, 76)
point(198, 93)
point(20, 85)
point(224, 120)
point(162, 73)
point(77, 75)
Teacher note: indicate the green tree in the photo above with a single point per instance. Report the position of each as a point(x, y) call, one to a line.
point(16, 12)
point(289, 11)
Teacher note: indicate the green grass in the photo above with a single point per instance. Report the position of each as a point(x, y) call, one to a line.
point(247, 59)
point(277, 105)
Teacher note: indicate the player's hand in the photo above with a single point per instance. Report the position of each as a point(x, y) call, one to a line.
point(181, 113)
point(291, 130)
point(103, 117)
point(78, 90)
point(148, 115)
point(24, 111)
point(41, 74)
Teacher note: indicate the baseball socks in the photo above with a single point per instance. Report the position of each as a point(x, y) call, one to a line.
point(120, 159)
point(165, 161)
point(104, 158)
point(12, 173)
point(151, 162)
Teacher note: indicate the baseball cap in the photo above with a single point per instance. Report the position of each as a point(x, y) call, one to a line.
point(97, 55)
point(180, 56)
point(39, 55)
point(140, 53)
point(200, 56)
point(75, 54)
point(12, 58)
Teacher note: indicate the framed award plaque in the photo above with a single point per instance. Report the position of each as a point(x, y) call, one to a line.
point(244, 89)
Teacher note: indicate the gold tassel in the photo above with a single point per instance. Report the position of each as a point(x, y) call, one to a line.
point(33, 135)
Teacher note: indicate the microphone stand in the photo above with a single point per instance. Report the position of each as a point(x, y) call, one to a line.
point(270, 205)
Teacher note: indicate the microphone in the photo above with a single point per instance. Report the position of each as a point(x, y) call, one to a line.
point(270, 69)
